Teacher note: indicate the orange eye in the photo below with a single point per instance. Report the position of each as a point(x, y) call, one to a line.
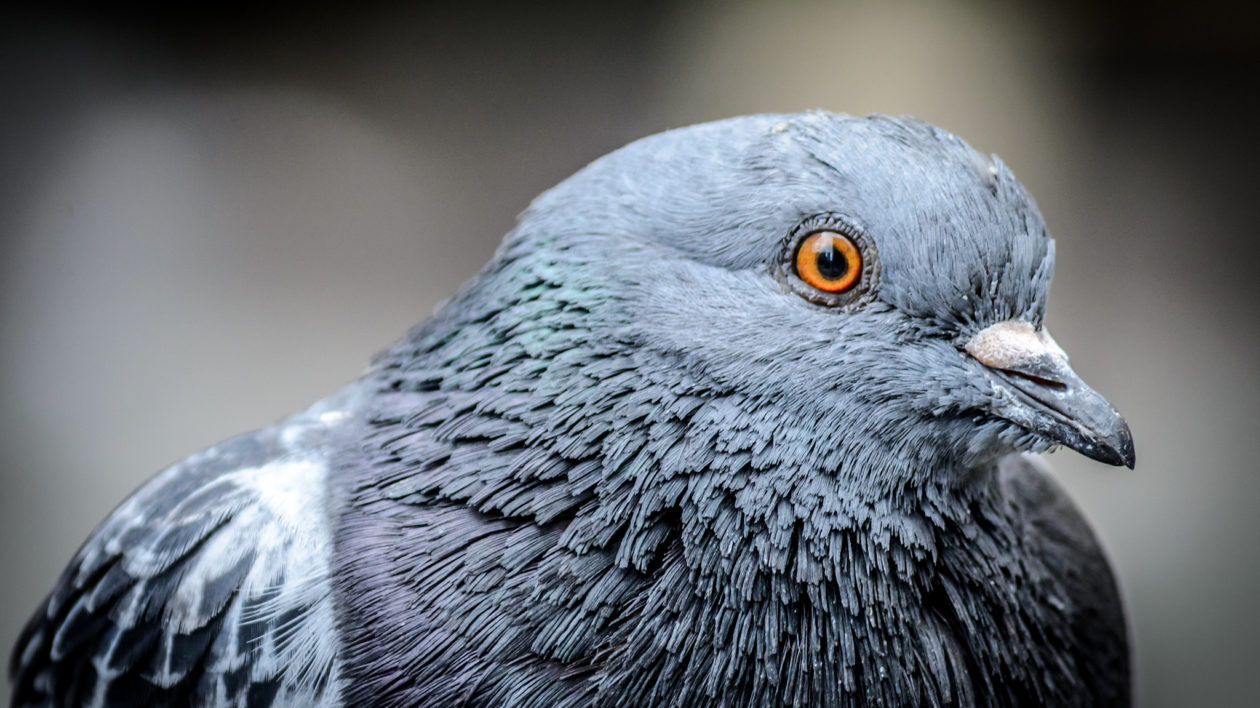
point(829, 261)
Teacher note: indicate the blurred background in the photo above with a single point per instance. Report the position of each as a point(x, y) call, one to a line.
point(211, 218)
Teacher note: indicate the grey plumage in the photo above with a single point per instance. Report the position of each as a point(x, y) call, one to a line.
point(629, 465)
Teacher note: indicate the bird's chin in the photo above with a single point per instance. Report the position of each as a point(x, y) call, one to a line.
point(990, 437)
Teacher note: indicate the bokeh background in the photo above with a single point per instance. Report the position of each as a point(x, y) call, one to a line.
point(210, 218)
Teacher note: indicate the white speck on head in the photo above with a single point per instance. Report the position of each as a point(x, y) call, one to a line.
point(333, 417)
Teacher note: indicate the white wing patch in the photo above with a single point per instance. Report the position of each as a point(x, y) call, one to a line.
point(209, 586)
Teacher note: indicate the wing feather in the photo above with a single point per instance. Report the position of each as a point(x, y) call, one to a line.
point(208, 586)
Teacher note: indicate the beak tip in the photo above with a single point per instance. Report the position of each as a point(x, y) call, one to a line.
point(1127, 454)
point(1118, 449)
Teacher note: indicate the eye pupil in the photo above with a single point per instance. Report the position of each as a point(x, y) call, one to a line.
point(832, 264)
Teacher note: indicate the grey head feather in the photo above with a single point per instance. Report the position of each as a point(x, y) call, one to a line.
point(672, 241)
point(960, 238)
point(626, 465)
point(629, 464)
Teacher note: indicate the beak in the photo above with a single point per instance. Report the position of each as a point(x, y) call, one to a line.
point(1048, 397)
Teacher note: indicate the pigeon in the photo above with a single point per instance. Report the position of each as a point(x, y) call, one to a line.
point(746, 413)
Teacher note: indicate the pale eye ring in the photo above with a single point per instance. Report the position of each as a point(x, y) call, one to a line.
point(829, 261)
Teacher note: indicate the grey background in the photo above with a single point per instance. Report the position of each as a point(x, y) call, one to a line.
point(211, 219)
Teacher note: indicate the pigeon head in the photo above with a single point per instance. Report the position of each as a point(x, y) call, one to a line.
point(864, 296)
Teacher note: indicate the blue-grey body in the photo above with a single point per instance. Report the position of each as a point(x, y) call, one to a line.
point(628, 465)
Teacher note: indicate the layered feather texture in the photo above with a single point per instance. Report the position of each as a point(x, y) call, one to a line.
point(627, 466)
point(209, 586)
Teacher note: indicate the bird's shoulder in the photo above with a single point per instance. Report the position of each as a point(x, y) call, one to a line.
point(1075, 560)
point(208, 586)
